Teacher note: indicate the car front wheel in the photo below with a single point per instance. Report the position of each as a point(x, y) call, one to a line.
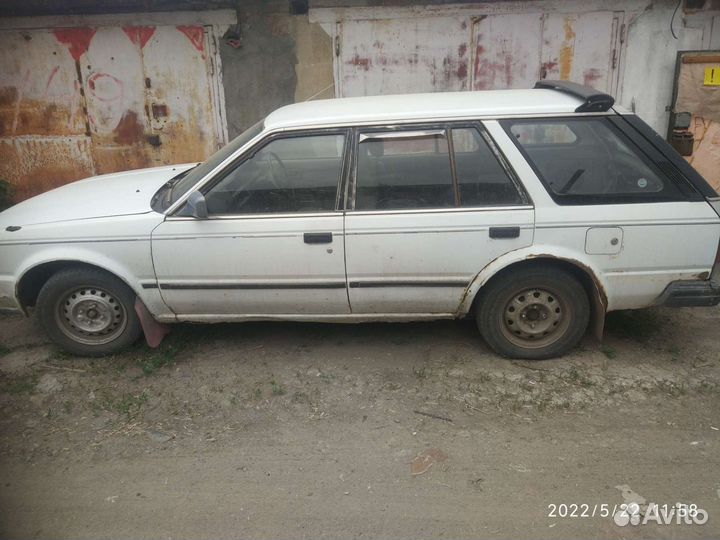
point(533, 313)
point(88, 312)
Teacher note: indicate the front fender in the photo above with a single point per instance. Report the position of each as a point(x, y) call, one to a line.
point(133, 274)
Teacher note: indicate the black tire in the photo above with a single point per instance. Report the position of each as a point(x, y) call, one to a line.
point(88, 312)
point(533, 313)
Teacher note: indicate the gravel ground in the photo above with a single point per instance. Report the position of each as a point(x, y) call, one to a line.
point(378, 430)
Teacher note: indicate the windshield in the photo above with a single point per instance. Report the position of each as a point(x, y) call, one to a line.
point(195, 174)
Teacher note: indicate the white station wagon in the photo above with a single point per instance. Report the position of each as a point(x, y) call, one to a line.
point(534, 211)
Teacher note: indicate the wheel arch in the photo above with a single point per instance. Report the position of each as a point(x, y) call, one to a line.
point(37, 272)
point(579, 267)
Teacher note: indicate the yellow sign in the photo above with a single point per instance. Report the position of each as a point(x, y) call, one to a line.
point(712, 76)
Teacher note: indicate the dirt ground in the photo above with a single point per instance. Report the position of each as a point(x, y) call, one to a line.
point(379, 431)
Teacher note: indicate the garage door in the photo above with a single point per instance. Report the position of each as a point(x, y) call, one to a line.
point(81, 101)
point(445, 53)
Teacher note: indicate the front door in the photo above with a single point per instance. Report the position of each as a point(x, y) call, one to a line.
point(274, 242)
point(432, 207)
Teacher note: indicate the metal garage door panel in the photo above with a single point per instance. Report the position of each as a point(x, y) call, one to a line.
point(394, 56)
point(507, 51)
point(38, 94)
point(179, 94)
point(37, 164)
point(112, 74)
point(579, 48)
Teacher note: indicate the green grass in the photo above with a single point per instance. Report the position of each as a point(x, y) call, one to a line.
point(277, 389)
point(420, 373)
point(20, 385)
point(157, 359)
point(608, 351)
point(4, 350)
point(128, 404)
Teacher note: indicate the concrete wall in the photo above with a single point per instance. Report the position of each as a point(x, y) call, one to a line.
point(283, 59)
point(649, 63)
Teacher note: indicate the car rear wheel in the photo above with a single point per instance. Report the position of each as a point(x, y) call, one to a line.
point(88, 312)
point(533, 313)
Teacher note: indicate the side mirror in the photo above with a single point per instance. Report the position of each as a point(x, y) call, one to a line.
point(195, 206)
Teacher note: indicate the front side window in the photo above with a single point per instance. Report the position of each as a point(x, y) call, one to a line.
point(404, 170)
point(587, 160)
point(288, 175)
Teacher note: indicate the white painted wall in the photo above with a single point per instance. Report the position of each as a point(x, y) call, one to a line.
point(649, 64)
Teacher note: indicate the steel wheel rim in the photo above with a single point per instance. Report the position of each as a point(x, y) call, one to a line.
point(90, 315)
point(536, 317)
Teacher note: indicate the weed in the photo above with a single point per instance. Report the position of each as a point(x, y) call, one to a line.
point(155, 359)
point(277, 389)
point(609, 352)
point(129, 404)
point(300, 397)
point(68, 407)
point(21, 385)
point(420, 373)
point(4, 350)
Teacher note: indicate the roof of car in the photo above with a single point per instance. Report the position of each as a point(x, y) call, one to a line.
point(409, 107)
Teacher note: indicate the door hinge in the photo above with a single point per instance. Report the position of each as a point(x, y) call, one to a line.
point(622, 33)
point(337, 45)
point(614, 58)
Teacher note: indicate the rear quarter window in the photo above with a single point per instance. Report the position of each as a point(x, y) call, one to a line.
point(587, 160)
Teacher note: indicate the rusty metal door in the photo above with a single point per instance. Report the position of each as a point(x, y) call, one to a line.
point(44, 140)
point(584, 48)
point(506, 51)
point(395, 56)
point(445, 53)
point(515, 50)
point(81, 101)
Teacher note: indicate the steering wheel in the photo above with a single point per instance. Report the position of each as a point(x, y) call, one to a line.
point(273, 158)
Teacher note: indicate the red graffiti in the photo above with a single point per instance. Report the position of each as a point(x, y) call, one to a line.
point(50, 79)
point(363, 63)
point(105, 87)
point(139, 35)
point(196, 35)
point(591, 76)
point(77, 39)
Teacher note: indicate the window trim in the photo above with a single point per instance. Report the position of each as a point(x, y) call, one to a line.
point(447, 127)
point(592, 200)
point(217, 176)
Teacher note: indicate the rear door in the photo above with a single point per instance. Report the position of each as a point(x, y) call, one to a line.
point(430, 206)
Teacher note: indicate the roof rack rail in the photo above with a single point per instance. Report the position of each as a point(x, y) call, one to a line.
point(594, 101)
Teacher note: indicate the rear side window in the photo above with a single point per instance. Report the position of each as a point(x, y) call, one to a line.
point(482, 180)
point(433, 168)
point(587, 160)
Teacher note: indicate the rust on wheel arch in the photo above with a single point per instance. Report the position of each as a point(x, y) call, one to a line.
point(598, 299)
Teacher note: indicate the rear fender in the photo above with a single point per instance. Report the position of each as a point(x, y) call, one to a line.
point(598, 298)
